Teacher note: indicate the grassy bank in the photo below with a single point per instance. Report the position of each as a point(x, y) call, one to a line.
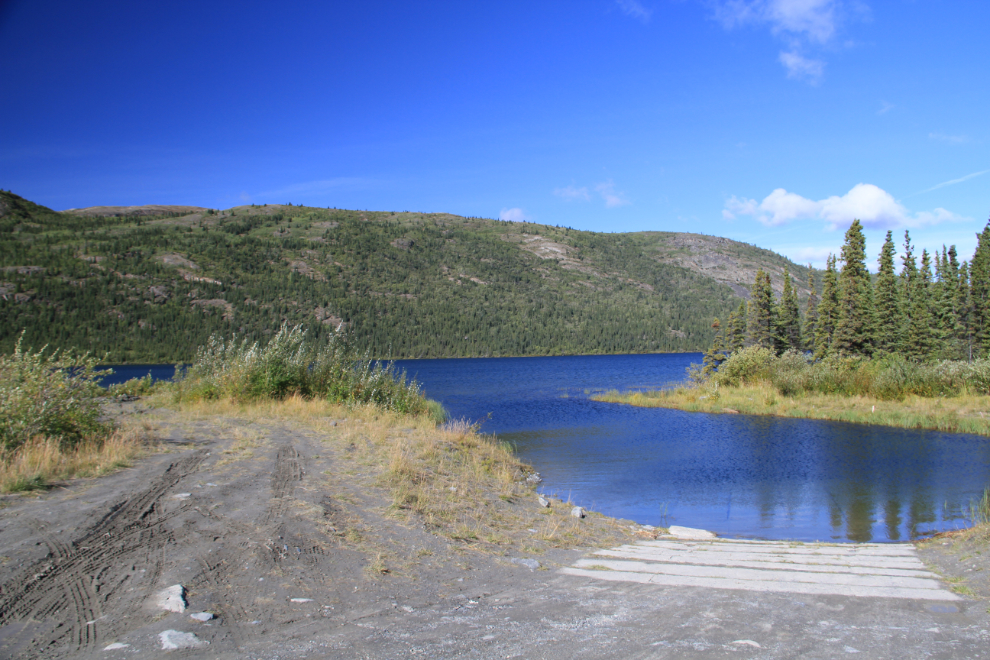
point(965, 413)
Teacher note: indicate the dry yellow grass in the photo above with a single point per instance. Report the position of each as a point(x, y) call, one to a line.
point(44, 460)
point(960, 414)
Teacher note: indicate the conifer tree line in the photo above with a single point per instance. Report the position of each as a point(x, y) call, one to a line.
point(937, 308)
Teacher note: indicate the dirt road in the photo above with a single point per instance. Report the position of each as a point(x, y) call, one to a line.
point(291, 547)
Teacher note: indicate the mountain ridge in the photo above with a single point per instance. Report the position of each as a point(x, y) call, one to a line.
point(148, 287)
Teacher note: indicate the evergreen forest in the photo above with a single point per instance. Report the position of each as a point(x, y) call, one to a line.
point(148, 288)
point(932, 308)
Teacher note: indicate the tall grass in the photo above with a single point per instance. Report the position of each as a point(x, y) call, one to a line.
point(890, 377)
point(291, 365)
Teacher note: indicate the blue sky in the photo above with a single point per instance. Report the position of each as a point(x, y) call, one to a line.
point(769, 121)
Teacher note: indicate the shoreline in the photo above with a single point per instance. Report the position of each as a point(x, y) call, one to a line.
point(962, 414)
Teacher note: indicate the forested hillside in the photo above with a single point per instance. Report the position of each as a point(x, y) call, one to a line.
point(149, 285)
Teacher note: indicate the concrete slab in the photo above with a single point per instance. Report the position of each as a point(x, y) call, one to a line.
point(869, 571)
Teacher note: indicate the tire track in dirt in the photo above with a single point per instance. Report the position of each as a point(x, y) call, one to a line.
point(287, 474)
point(77, 580)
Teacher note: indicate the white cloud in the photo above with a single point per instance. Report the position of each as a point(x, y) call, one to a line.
point(634, 9)
point(513, 215)
point(801, 68)
point(885, 108)
point(949, 139)
point(799, 23)
point(952, 182)
point(612, 197)
point(815, 256)
point(874, 207)
point(573, 193)
point(811, 19)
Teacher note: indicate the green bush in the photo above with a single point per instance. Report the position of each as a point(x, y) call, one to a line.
point(135, 387)
point(52, 395)
point(289, 364)
point(750, 365)
point(886, 377)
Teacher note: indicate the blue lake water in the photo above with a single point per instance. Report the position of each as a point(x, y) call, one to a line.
point(737, 475)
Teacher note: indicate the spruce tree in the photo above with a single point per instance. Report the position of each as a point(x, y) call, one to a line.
point(979, 277)
point(944, 306)
point(762, 312)
point(965, 311)
point(788, 321)
point(854, 321)
point(811, 312)
point(715, 355)
point(907, 282)
point(888, 303)
point(827, 311)
point(921, 333)
point(735, 335)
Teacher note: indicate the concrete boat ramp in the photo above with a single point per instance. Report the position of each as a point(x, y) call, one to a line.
point(868, 570)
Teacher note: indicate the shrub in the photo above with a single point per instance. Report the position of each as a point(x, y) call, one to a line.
point(885, 377)
point(53, 396)
point(750, 365)
point(289, 364)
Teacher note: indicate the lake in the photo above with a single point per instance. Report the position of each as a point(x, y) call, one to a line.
point(737, 475)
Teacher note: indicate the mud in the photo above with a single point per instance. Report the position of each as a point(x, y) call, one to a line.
point(292, 547)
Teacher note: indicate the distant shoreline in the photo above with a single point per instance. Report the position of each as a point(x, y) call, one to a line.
point(961, 414)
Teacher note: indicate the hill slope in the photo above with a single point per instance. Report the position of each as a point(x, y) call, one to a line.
point(149, 288)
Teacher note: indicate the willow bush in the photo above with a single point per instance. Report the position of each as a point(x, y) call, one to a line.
point(290, 364)
point(51, 395)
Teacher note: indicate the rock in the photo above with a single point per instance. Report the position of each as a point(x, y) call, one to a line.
point(173, 640)
point(172, 599)
point(577, 512)
point(182, 496)
point(115, 646)
point(649, 528)
point(300, 600)
point(202, 617)
point(534, 478)
point(544, 502)
point(531, 564)
point(689, 533)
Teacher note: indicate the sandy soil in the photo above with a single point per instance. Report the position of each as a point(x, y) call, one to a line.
point(293, 548)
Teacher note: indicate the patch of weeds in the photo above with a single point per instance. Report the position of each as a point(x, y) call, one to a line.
point(377, 567)
point(598, 567)
point(963, 590)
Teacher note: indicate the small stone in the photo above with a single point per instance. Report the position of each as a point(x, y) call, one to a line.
point(182, 496)
point(115, 646)
point(531, 564)
point(202, 617)
point(172, 599)
point(577, 512)
point(534, 478)
point(544, 502)
point(300, 600)
point(690, 533)
point(747, 642)
point(175, 639)
point(649, 528)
